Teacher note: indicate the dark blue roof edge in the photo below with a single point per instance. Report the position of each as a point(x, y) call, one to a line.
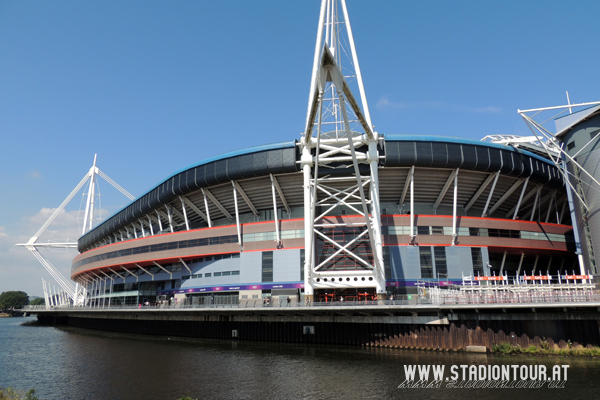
point(449, 139)
point(249, 150)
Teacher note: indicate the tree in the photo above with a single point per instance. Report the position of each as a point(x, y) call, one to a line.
point(14, 299)
point(37, 302)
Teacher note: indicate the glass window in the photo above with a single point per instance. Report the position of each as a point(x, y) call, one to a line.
point(422, 230)
point(426, 262)
point(438, 230)
point(235, 272)
point(302, 264)
point(226, 273)
point(267, 266)
point(207, 275)
point(217, 274)
point(477, 258)
point(441, 269)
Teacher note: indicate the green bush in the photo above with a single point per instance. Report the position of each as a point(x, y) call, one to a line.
point(14, 394)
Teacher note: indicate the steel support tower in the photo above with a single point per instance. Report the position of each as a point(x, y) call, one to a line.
point(340, 156)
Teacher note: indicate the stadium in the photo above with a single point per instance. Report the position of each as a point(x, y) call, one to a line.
point(346, 213)
point(232, 226)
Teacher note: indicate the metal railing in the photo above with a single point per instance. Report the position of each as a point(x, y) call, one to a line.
point(450, 298)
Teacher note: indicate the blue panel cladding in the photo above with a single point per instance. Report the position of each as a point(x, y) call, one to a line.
point(286, 265)
point(251, 267)
point(409, 262)
point(458, 262)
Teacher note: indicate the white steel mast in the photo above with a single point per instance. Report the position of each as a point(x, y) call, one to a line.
point(339, 160)
point(76, 293)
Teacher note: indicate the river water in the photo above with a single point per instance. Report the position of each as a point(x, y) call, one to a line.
point(68, 363)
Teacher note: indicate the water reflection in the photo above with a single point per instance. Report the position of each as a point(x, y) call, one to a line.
point(70, 363)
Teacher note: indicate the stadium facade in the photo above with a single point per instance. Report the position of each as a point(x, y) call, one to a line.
point(232, 226)
point(344, 212)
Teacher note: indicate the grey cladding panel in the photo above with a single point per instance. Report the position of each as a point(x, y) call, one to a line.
point(259, 163)
point(440, 155)
point(424, 153)
point(233, 168)
point(200, 180)
point(483, 159)
point(246, 165)
point(275, 161)
point(495, 160)
point(209, 174)
point(508, 164)
point(221, 171)
point(469, 157)
point(455, 158)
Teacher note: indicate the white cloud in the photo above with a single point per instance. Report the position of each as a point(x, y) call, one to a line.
point(19, 269)
point(35, 174)
point(385, 104)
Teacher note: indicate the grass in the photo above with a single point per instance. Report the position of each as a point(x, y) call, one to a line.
point(15, 394)
point(544, 349)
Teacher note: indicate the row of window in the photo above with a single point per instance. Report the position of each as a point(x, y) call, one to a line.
point(211, 274)
point(299, 233)
point(262, 236)
point(181, 244)
point(464, 231)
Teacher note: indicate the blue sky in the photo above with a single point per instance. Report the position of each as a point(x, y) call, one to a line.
point(154, 86)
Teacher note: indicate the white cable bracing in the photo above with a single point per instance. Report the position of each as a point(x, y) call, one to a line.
point(116, 185)
point(59, 209)
point(65, 284)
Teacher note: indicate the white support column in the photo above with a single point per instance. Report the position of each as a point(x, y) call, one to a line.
point(373, 156)
point(520, 264)
point(142, 227)
point(170, 217)
point(502, 264)
point(552, 201)
point(520, 199)
point(187, 222)
point(483, 186)
point(164, 269)
point(535, 202)
point(406, 186)
point(137, 278)
point(281, 196)
point(454, 235)
point(150, 225)
point(119, 275)
point(412, 204)
point(159, 221)
point(185, 265)
point(89, 208)
point(237, 214)
point(275, 212)
point(308, 222)
point(207, 209)
point(487, 203)
point(143, 269)
point(535, 264)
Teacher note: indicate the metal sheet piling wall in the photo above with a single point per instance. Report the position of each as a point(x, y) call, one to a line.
point(454, 335)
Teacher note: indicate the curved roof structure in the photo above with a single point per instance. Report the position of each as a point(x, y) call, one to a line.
point(282, 158)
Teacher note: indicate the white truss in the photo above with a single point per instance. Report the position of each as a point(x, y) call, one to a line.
point(338, 137)
point(71, 293)
point(537, 120)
